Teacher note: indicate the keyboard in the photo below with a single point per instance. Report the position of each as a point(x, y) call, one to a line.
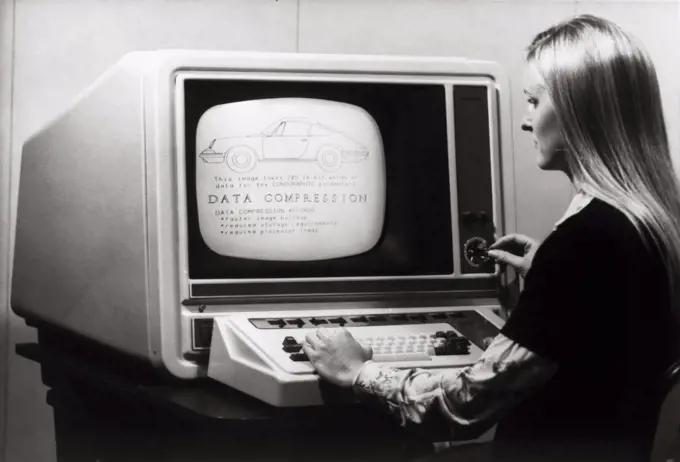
point(263, 356)
point(410, 345)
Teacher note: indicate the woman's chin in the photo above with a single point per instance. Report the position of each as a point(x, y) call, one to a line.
point(551, 161)
point(545, 164)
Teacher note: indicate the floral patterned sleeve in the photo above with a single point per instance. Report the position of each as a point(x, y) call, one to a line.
point(475, 396)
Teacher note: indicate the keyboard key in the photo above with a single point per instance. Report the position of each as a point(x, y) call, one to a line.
point(359, 319)
point(296, 322)
point(289, 341)
point(299, 357)
point(277, 322)
point(292, 348)
point(454, 346)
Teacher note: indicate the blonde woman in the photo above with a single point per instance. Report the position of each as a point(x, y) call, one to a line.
point(571, 375)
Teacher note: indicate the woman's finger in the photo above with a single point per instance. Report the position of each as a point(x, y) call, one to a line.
point(506, 257)
point(323, 333)
point(313, 340)
point(308, 350)
point(510, 239)
point(504, 240)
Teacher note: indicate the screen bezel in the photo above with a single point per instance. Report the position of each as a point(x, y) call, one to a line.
point(239, 288)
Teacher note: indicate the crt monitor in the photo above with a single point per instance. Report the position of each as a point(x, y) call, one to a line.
point(186, 186)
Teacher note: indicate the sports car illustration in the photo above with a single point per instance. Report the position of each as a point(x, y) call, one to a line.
point(291, 139)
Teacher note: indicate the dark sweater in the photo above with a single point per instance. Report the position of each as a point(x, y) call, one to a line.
point(595, 301)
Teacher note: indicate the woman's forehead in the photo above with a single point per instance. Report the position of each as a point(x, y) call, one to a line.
point(533, 81)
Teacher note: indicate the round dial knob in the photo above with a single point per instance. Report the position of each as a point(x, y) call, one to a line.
point(475, 251)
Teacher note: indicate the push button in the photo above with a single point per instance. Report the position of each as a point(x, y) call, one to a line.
point(457, 346)
point(289, 341)
point(290, 345)
point(296, 322)
point(292, 348)
point(277, 322)
point(377, 318)
point(453, 346)
point(340, 321)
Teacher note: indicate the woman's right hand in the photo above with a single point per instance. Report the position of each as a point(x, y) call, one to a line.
point(516, 250)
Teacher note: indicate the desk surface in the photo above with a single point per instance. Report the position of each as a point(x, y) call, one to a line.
point(95, 391)
point(202, 401)
point(199, 400)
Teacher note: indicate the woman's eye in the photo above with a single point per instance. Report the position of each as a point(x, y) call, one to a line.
point(533, 101)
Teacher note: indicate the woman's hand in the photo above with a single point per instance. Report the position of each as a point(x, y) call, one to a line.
point(516, 250)
point(336, 355)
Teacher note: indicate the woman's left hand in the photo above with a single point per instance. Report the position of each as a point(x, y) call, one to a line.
point(336, 355)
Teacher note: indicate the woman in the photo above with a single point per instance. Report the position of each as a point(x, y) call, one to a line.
point(572, 372)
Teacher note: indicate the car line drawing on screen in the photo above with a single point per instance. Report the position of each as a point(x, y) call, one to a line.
point(287, 139)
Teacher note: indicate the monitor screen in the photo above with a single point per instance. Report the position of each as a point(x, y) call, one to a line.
point(291, 179)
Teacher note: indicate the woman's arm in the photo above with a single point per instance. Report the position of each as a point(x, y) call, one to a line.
point(471, 397)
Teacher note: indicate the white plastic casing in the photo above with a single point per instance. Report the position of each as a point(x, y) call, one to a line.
point(101, 245)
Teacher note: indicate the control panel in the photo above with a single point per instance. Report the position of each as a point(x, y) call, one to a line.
point(263, 355)
point(474, 177)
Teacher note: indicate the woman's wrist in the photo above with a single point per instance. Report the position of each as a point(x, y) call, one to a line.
point(359, 371)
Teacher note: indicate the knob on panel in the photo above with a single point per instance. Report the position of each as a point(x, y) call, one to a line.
point(475, 251)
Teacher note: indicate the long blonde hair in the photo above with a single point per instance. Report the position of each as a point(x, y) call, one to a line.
point(606, 96)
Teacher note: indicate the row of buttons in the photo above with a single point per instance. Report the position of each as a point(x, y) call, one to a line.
point(362, 320)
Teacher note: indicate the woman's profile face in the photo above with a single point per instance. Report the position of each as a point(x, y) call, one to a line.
point(541, 121)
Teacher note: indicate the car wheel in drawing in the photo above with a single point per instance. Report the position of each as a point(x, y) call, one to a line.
point(329, 158)
point(241, 159)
